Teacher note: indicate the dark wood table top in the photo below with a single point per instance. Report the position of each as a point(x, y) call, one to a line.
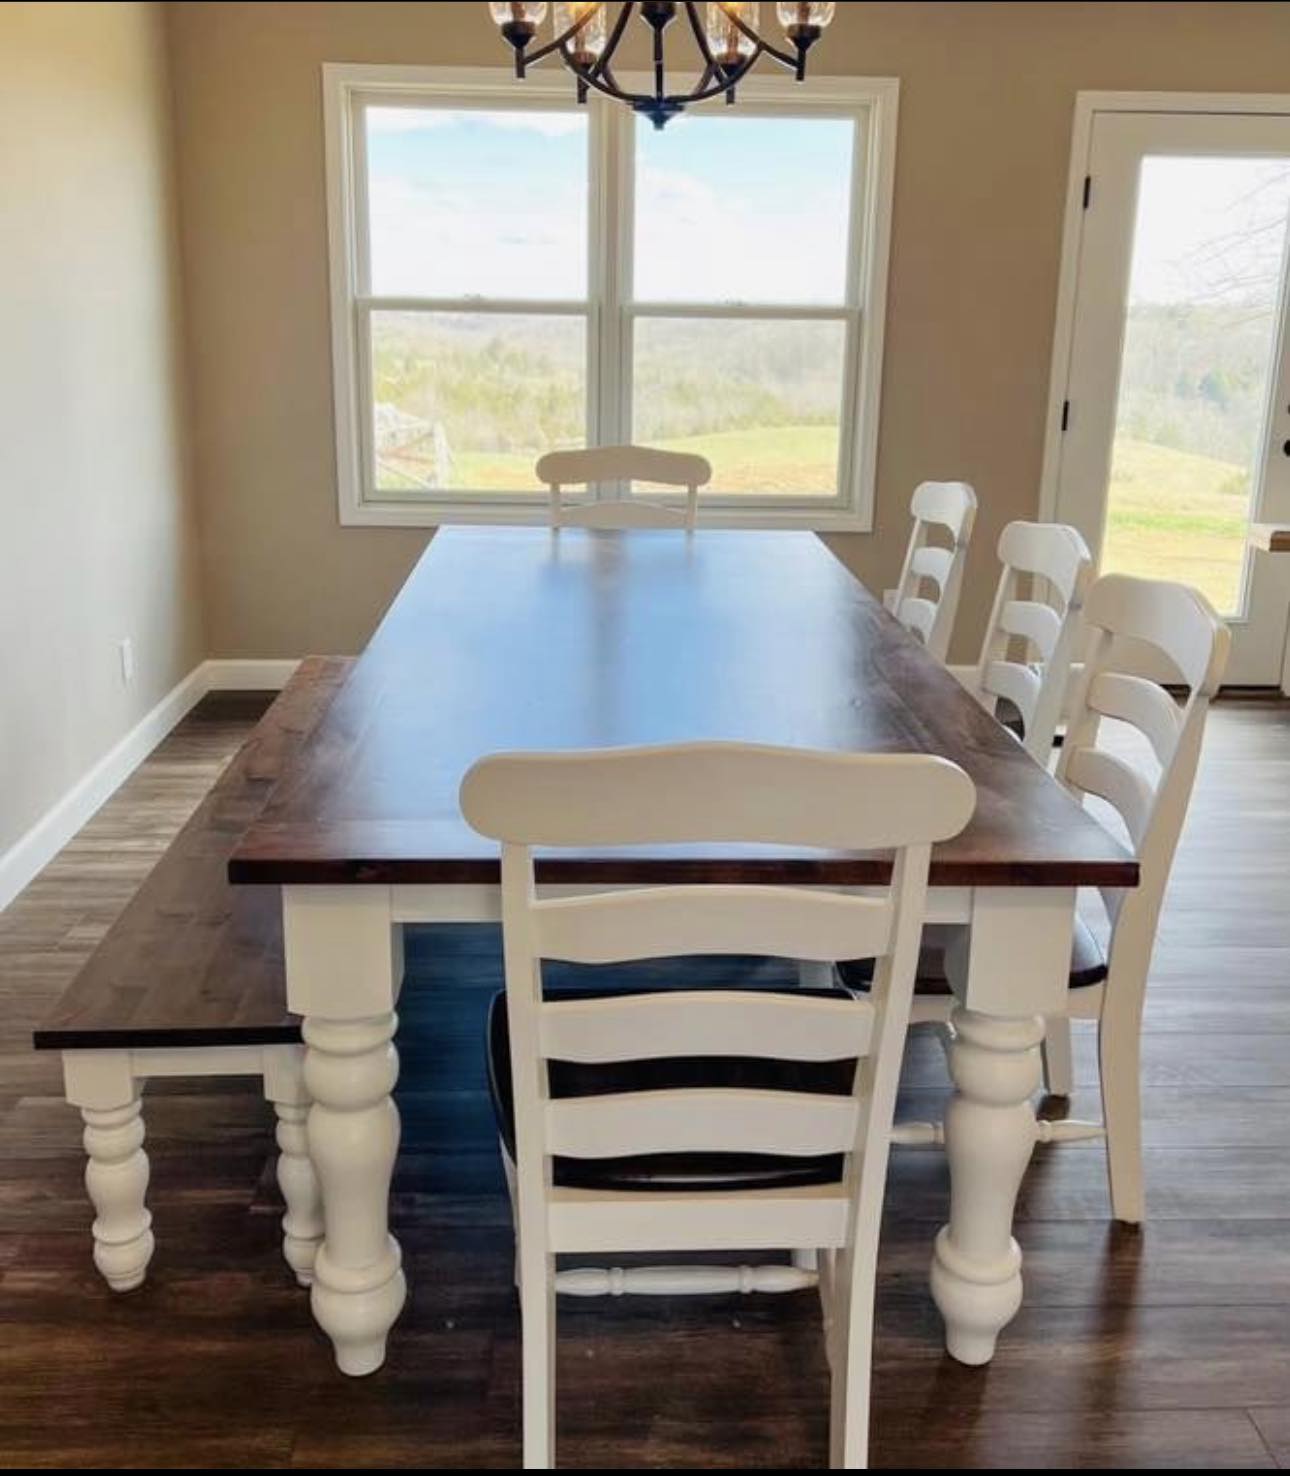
point(519, 638)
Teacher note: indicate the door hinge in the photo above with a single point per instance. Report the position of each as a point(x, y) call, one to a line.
point(1088, 189)
point(1066, 415)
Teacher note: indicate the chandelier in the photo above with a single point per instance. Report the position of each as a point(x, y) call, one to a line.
point(728, 45)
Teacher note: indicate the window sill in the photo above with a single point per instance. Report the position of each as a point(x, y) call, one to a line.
point(433, 515)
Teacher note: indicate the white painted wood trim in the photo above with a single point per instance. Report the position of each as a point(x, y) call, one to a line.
point(32, 852)
point(238, 675)
point(872, 101)
point(1087, 106)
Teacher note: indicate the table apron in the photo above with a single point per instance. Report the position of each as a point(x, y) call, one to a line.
point(343, 943)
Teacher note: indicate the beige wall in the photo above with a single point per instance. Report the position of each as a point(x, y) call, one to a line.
point(986, 102)
point(97, 537)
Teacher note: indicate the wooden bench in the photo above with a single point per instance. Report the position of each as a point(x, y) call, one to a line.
point(190, 981)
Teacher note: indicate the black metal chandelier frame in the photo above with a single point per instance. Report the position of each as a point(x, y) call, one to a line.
point(660, 105)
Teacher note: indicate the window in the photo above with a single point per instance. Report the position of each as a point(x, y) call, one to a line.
point(512, 273)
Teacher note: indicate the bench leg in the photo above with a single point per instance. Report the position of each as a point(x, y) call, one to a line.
point(103, 1085)
point(302, 1225)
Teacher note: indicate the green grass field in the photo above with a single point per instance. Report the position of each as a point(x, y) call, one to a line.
point(1173, 515)
point(796, 460)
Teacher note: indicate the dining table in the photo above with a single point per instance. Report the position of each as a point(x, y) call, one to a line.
point(527, 638)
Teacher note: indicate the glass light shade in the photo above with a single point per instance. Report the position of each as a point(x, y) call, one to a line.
point(729, 45)
point(587, 45)
point(813, 13)
point(527, 13)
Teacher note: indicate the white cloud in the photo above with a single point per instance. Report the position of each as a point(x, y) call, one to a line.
point(446, 242)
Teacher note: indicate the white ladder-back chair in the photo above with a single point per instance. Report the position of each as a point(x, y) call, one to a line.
point(1180, 623)
point(560, 469)
point(708, 793)
point(1122, 614)
point(1047, 621)
point(951, 507)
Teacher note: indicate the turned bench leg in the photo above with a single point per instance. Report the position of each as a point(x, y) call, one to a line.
point(103, 1085)
point(302, 1225)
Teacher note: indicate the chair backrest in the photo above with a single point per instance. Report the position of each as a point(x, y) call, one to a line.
point(1122, 612)
point(560, 469)
point(710, 793)
point(950, 507)
point(1056, 561)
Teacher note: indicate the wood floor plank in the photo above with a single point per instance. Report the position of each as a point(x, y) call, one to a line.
point(1166, 1347)
point(1273, 1424)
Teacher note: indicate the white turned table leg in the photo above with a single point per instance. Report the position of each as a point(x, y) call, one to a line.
point(358, 1289)
point(344, 964)
point(989, 1135)
point(302, 1225)
point(103, 1086)
point(1015, 960)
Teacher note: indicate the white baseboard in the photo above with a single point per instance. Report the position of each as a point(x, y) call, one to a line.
point(32, 852)
point(248, 676)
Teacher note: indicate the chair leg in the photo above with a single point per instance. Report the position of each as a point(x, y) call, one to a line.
point(537, 1335)
point(1059, 1066)
point(302, 1225)
point(1120, 1065)
point(849, 1372)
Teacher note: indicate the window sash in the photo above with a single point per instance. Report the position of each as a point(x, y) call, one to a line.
point(610, 310)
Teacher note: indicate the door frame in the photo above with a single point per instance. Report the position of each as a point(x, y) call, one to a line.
point(1087, 106)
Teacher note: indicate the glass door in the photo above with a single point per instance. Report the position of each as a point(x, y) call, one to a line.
point(1177, 418)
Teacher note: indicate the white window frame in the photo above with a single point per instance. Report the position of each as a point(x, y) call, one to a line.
point(872, 102)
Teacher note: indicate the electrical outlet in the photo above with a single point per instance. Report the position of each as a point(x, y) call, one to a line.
point(125, 650)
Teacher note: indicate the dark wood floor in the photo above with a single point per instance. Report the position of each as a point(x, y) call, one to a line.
point(1169, 1347)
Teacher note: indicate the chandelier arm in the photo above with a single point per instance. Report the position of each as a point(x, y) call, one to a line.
point(601, 66)
point(726, 81)
point(700, 36)
point(708, 74)
point(660, 77)
point(603, 83)
point(575, 30)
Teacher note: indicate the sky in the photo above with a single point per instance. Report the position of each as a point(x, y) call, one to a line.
point(1210, 230)
point(736, 209)
point(495, 204)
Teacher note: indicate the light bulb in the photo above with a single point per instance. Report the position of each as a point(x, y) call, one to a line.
point(808, 18)
point(588, 44)
point(523, 14)
point(729, 45)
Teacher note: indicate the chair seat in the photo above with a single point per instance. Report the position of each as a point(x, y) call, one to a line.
point(1088, 962)
point(661, 1172)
